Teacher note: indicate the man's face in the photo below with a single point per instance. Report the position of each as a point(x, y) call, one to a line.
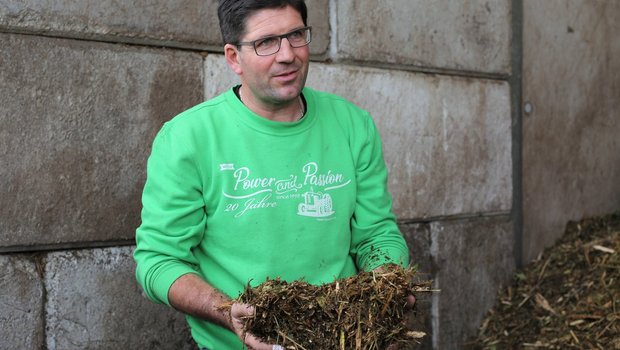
point(276, 79)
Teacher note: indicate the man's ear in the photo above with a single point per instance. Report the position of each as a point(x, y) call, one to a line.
point(232, 58)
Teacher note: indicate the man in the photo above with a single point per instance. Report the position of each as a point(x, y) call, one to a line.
point(269, 179)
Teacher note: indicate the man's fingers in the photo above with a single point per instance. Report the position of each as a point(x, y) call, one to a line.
point(410, 301)
point(255, 344)
point(241, 310)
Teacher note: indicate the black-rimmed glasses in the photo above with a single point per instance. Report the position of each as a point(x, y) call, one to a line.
point(270, 45)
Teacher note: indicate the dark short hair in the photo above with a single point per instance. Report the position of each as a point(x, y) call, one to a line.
point(233, 14)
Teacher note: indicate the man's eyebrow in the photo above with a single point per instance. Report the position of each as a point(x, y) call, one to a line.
point(275, 35)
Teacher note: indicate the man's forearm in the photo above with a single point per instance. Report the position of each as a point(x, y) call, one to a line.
point(190, 294)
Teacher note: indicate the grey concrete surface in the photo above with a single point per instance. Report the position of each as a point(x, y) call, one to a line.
point(77, 121)
point(571, 143)
point(465, 36)
point(473, 258)
point(186, 24)
point(187, 21)
point(446, 140)
point(21, 303)
point(94, 302)
point(418, 237)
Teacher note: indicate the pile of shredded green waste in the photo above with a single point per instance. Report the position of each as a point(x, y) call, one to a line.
point(569, 298)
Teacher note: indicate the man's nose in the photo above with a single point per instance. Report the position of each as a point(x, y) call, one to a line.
point(286, 53)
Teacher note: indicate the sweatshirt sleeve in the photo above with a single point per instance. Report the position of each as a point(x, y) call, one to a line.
point(173, 216)
point(376, 239)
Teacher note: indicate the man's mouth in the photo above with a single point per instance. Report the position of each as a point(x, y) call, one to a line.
point(286, 74)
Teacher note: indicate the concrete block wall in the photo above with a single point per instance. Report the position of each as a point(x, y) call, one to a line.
point(85, 85)
point(571, 128)
point(78, 118)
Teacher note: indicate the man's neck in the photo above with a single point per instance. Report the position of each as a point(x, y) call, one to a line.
point(290, 111)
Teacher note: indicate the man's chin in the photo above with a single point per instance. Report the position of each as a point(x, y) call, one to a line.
point(288, 94)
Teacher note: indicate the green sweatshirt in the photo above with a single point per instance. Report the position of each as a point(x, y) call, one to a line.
point(237, 198)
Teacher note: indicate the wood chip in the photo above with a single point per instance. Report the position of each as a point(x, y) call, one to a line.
point(604, 249)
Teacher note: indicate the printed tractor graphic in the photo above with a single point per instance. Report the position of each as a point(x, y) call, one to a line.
point(316, 204)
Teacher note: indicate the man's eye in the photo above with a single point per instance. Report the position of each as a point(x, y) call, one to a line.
point(267, 42)
point(296, 34)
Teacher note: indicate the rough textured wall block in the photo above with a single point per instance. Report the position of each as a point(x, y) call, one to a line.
point(190, 23)
point(21, 303)
point(571, 142)
point(77, 121)
point(418, 237)
point(94, 302)
point(473, 258)
point(456, 35)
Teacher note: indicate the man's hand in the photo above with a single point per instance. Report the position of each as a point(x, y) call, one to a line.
point(239, 312)
point(409, 305)
point(408, 309)
point(192, 295)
